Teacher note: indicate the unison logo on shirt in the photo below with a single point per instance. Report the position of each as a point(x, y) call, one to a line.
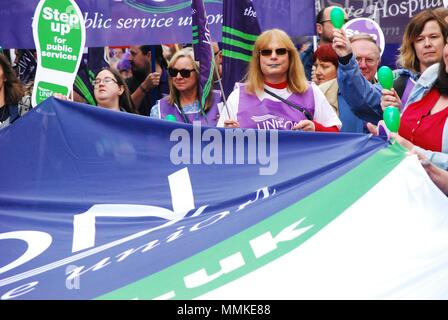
point(269, 122)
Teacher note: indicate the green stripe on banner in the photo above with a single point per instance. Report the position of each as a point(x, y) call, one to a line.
point(195, 28)
point(195, 34)
point(195, 41)
point(208, 85)
point(85, 91)
point(236, 55)
point(239, 44)
point(306, 218)
point(235, 32)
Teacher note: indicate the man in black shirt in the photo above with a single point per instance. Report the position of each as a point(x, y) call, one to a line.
point(147, 87)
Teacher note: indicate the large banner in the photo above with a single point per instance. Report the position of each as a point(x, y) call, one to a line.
point(391, 15)
point(108, 205)
point(128, 22)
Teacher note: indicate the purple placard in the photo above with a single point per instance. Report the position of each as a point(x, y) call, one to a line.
point(368, 26)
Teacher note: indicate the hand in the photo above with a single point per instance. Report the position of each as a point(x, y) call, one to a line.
point(60, 96)
point(231, 124)
point(305, 125)
point(402, 141)
point(341, 44)
point(152, 81)
point(437, 175)
point(373, 129)
point(390, 98)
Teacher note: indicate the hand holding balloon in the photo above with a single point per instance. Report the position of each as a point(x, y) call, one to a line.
point(391, 115)
point(337, 17)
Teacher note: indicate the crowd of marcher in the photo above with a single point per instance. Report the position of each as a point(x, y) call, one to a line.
point(331, 87)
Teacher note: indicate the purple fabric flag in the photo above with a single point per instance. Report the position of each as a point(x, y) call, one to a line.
point(26, 66)
point(239, 31)
point(202, 49)
point(87, 71)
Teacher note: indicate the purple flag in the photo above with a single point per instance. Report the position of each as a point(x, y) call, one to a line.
point(239, 31)
point(26, 66)
point(89, 67)
point(202, 44)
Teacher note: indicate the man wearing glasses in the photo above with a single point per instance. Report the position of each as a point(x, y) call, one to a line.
point(324, 30)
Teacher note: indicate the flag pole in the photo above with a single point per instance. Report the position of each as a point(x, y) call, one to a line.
point(221, 88)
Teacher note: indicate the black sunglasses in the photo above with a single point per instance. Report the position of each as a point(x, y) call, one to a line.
point(328, 20)
point(184, 73)
point(278, 51)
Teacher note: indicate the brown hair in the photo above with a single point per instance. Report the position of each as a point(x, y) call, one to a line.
point(296, 79)
point(124, 101)
point(13, 87)
point(408, 57)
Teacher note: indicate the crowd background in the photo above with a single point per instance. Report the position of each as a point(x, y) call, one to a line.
point(328, 86)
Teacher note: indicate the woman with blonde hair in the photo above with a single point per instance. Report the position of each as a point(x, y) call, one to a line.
point(183, 102)
point(276, 94)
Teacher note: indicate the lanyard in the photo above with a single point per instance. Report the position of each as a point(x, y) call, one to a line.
point(185, 117)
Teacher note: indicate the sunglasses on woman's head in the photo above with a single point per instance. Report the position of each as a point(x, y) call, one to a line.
point(184, 73)
point(278, 51)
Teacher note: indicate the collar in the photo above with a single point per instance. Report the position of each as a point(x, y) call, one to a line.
point(281, 85)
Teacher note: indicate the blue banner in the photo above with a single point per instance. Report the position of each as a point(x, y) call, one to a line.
point(93, 200)
point(130, 22)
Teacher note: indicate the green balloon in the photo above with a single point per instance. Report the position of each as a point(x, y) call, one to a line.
point(337, 16)
point(170, 117)
point(386, 77)
point(391, 116)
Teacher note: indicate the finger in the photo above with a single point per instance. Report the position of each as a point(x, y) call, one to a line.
point(372, 128)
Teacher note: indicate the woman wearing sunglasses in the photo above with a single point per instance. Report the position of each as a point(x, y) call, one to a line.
point(110, 92)
point(183, 101)
point(276, 94)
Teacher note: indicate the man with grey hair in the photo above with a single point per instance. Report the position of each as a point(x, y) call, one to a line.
point(359, 59)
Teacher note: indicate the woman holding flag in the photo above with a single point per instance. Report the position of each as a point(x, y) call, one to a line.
point(276, 94)
point(183, 102)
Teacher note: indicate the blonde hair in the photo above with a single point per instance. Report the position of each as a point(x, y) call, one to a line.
point(408, 57)
point(296, 79)
point(174, 95)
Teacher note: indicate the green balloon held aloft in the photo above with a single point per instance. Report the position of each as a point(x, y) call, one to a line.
point(170, 117)
point(337, 16)
point(391, 116)
point(386, 77)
